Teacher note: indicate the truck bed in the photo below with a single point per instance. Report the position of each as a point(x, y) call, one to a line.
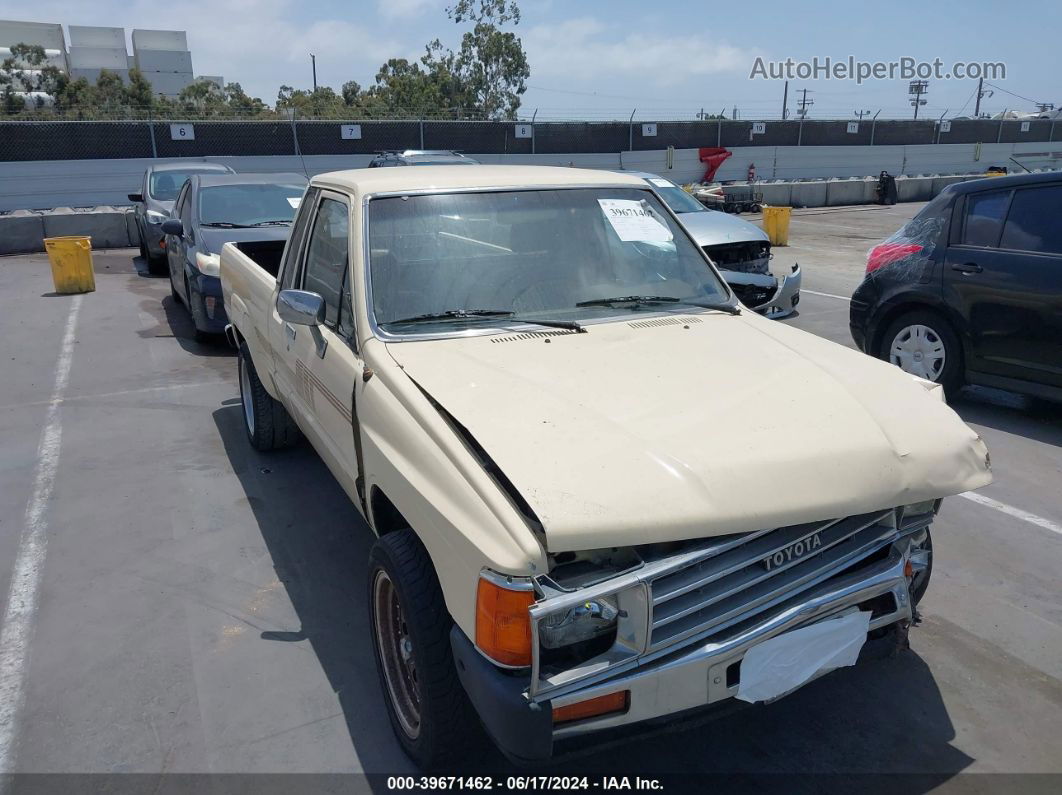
point(248, 282)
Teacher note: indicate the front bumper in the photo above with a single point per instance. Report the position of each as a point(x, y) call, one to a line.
point(206, 303)
point(153, 238)
point(786, 293)
point(690, 677)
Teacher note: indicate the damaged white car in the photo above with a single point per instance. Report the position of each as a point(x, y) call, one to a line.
point(740, 250)
point(604, 492)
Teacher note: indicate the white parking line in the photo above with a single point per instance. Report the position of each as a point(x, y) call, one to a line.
point(826, 295)
point(1010, 510)
point(29, 560)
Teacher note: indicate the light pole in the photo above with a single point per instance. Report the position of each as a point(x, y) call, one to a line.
point(313, 61)
point(918, 89)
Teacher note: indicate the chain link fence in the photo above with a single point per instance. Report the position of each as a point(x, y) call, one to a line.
point(85, 140)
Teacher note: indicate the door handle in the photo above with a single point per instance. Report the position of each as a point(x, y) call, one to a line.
point(967, 268)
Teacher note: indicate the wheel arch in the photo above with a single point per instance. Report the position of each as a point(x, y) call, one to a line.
point(891, 312)
point(384, 517)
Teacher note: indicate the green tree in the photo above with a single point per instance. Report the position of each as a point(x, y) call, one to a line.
point(240, 104)
point(139, 93)
point(490, 66)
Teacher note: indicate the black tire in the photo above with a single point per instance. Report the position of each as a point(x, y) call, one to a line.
point(445, 720)
point(950, 376)
point(176, 296)
point(143, 250)
point(269, 426)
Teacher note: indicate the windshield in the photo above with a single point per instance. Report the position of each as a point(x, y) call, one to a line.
point(165, 185)
point(249, 205)
point(535, 254)
point(677, 199)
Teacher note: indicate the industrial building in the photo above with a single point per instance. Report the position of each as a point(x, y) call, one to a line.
point(161, 55)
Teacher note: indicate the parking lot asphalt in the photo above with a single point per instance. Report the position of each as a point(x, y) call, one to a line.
point(202, 606)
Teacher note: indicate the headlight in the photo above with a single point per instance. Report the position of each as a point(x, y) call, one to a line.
point(208, 264)
point(155, 217)
point(591, 619)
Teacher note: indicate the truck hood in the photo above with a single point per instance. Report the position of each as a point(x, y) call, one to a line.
point(671, 427)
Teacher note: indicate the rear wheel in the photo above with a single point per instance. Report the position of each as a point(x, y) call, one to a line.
point(267, 422)
point(429, 710)
point(922, 343)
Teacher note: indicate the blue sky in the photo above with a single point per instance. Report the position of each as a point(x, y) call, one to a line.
point(605, 58)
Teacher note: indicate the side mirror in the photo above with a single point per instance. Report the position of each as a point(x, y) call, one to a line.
point(172, 227)
point(303, 308)
point(136, 198)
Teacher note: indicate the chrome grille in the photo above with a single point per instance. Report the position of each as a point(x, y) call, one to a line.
point(717, 591)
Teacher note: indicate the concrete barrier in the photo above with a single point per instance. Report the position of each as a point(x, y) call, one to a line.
point(776, 194)
point(132, 228)
point(845, 191)
point(914, 189)
point(808, 194)
point(21, 232)
point(107, 226)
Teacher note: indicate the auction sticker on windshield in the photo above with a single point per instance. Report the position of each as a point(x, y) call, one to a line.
point(634, 222)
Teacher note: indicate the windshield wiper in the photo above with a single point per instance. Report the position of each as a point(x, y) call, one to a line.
point(571, 325)
point(278, 222)
point(629, 299)
point(453, 314)
point(224, 224)
point(732, 309)
point(474, 314)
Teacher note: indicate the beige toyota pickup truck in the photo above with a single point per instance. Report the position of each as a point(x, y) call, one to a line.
point(604, 493)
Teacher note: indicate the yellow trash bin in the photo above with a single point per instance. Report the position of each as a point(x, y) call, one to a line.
point(71, 259)
point(776, 224)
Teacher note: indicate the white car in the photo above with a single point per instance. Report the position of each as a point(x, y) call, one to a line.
point(603, 492)
point(740, 250)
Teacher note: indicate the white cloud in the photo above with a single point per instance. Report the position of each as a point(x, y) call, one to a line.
point(585, 48)
point(403, 9)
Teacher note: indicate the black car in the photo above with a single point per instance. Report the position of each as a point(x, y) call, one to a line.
point(209, 212)
point(969, 291)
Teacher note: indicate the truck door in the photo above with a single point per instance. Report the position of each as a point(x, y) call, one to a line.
point(280, 335)
point(326, 383)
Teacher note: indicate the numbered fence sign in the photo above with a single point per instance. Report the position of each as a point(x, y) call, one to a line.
point(648, 130)
point(523, 131)
point(182, 132)
point(759, 127)
point(853, 126)
point(350, 132)
point(945, 126)
point(1025, 126)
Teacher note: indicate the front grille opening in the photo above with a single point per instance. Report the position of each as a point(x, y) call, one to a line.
point(733, 674)
point(879, 606)
point(748, 257)
point(751, 295)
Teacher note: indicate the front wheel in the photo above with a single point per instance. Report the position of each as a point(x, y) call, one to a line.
point(267, 422)
point(922, 343)
point(429, 710)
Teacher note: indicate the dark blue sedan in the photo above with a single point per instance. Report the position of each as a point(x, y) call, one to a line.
point(210, 211)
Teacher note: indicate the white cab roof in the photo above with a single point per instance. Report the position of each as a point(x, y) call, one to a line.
point(361, 181)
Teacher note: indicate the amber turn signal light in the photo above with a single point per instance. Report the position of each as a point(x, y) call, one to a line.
point(503, 625)
point(593, 707)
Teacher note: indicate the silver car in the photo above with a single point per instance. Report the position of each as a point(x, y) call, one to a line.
point(158, 191)
point(740, 250)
